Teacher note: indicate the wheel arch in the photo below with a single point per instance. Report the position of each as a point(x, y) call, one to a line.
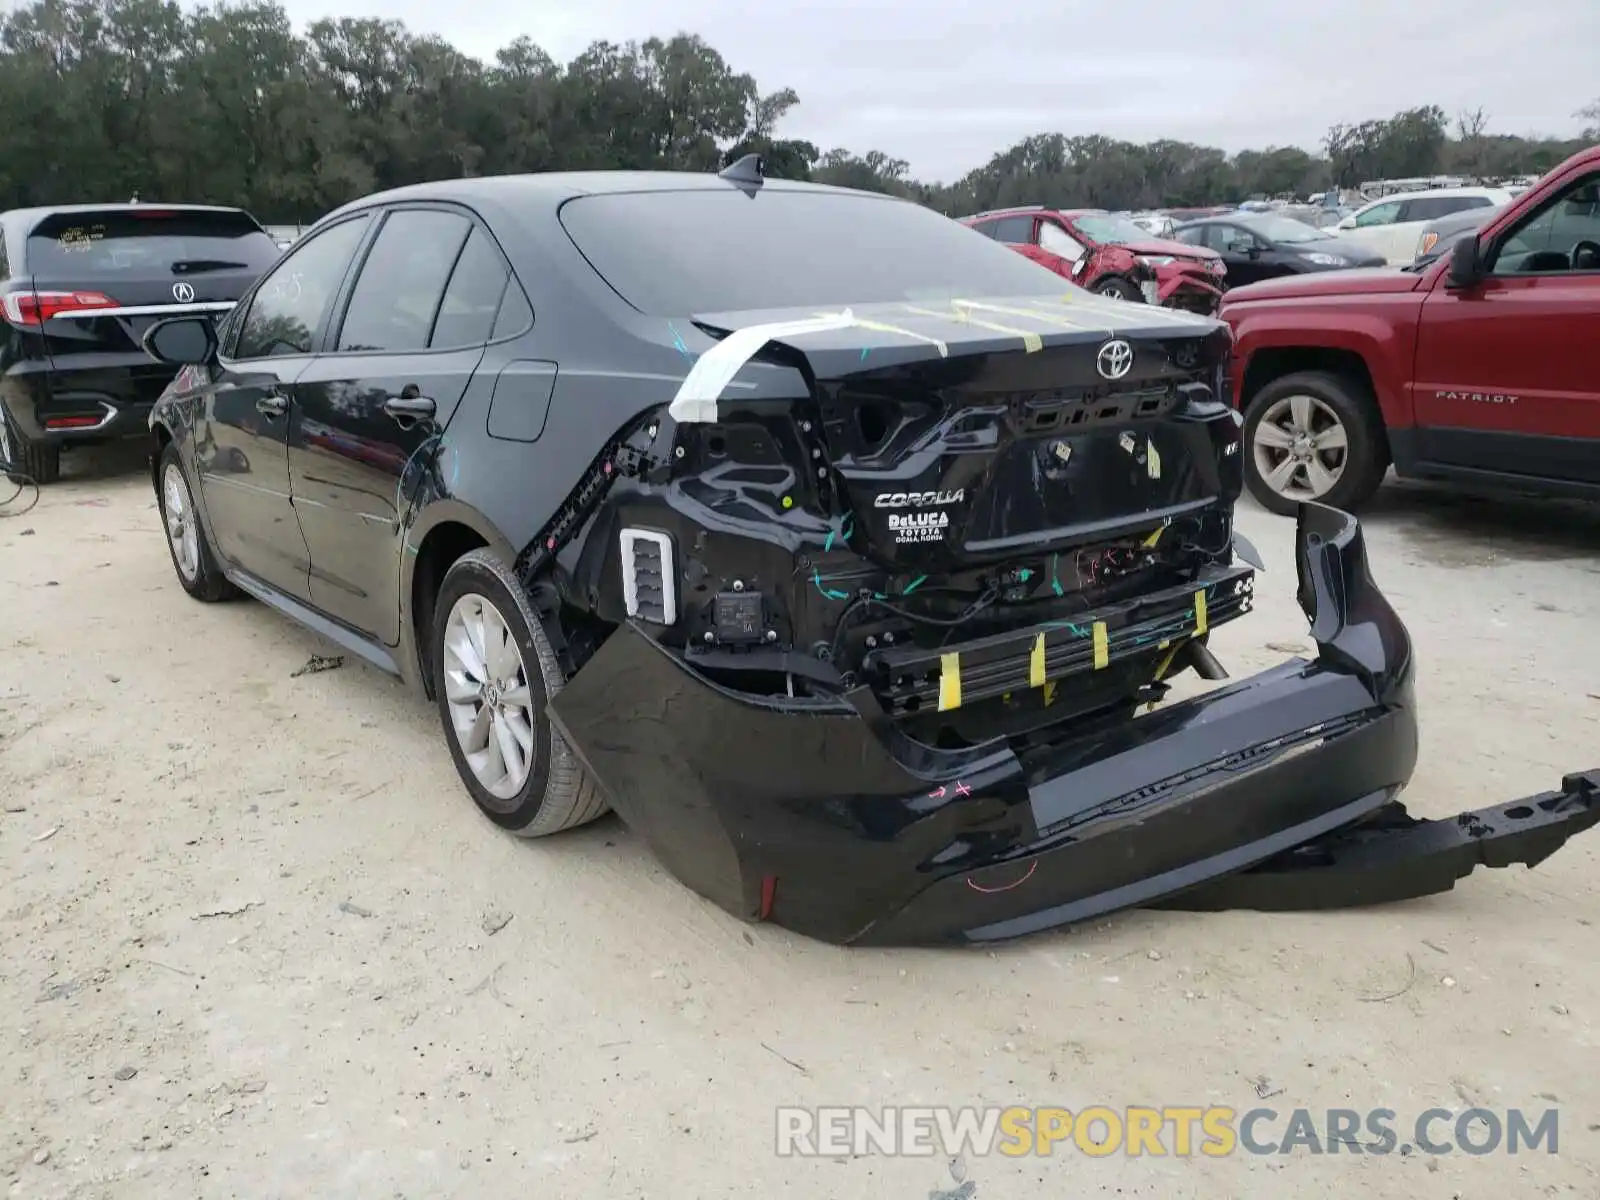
point(1121, 277)
point(164, 437)
point(442, 534)
point(1272, 363)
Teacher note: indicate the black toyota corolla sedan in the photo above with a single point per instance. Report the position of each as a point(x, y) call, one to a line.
point(833, 544)
point(1257, 246)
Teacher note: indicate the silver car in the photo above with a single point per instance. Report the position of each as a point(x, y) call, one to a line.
point(1437, 237)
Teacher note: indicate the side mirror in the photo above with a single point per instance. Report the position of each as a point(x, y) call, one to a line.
point(1466, 262)
point(1254, 250)
point(181, 341)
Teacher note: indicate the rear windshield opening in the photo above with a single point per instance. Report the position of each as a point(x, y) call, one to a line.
point(161, 242)
point(686, 252)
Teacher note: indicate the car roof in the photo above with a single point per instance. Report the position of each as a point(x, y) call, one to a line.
point(555, 187)
point(1466, 218)
point(1497, 194)
point(1035, 210)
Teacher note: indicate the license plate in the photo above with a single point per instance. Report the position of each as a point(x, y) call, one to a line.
point(1152, 292)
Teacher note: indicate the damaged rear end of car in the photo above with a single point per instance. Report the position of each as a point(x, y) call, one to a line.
point(870, 626)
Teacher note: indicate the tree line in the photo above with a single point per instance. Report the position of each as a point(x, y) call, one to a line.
point(230, 104)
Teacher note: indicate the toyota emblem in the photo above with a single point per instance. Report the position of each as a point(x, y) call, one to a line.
point(183, 293)
point(1114, 360)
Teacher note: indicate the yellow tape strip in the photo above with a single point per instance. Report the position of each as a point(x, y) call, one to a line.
point(1102, 649)
point(1152, 458)
point(1031, 342)
point(1152, 312)
point(1011, 310)
point(949, 682)
point(1049, 693)
point(1200, 612)
point(1149, 542)
point(1036, 663)
point(880, 327)
point(1161, 667)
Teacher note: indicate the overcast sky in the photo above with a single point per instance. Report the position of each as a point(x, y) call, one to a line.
point(945, 84)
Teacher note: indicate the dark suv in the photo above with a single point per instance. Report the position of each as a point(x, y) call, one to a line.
point(79, 285)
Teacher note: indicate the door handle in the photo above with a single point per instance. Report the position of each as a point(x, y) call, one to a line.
point(407, 407)
point(273, 404)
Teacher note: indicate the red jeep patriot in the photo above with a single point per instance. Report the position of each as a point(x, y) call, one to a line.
point(1478, 367)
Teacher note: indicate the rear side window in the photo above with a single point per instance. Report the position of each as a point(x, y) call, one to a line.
point(472, 297)
point(147, 242)
point(1016, 231)
point(397, 294)
point(707, 251)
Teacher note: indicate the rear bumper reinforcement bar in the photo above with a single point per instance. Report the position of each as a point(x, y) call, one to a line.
point(1395, 857)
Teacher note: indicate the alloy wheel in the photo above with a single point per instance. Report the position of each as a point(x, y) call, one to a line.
point(1301, 448)
point(491, 706)
point(180, 518)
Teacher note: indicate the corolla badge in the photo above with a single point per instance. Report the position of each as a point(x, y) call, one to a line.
point(183, 293)
point(1114, 360)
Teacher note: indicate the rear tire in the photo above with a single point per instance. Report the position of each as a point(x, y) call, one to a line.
point(494, 674)
point(197, 568)
point(1119, 289)
point(1313, 436)
point(26, 461)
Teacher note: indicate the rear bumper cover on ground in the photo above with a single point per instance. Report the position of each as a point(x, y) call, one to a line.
point(819, 816)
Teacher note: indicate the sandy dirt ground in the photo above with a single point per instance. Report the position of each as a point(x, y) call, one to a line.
point(256, 942)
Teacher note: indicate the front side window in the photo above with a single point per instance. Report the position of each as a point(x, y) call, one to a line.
point(292, 301)
point(1058, 241)
point(1562, 235)
point(1379, 214)
point(1193, 236)
point(397, 294)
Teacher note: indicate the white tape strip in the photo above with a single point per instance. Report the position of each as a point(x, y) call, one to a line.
point(714, 370)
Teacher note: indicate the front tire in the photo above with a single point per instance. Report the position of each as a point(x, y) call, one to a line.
point(26, 461)
point(192, 558)
point(1119, 289)
point(1312, 436)
point(494, 673)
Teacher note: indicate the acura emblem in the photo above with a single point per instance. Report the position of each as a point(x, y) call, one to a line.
point(1114, 360)
point(183, 293)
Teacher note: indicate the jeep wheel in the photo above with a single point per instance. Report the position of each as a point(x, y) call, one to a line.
point(1312, 437)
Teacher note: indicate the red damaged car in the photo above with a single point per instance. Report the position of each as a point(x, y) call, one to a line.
point(1110, 255)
